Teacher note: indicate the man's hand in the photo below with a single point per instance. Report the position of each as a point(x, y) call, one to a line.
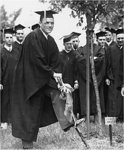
point(122, 91)
point(1, 87)
point(76, 85)
point(57, 76)
point(107, 82)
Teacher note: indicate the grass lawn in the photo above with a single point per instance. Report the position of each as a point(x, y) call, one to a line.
point(53, 138)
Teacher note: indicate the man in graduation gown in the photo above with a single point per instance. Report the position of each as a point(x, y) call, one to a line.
point(76, 97)
point(114, 97)
point(67, 61)
point(110, 37)
point(109, 42)
point(36, 102)
point(120, 81)
point(7, 68)
point(17, 44)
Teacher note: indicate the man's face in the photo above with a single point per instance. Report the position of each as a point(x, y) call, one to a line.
point(8, 39)
point(120, 39)
point(68, 46)
point(75, 42)
point(108, 36)
point(101, 40)
point(47, 25)
point(20, 35)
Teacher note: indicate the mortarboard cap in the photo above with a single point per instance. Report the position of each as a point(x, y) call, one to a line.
point(8, 30)
point(119, 31)
point(101, 33)
point(18, 27)
point(66, 38)
point(46, 13)
point(75, 34)
point(35, 26)
point(110, 30)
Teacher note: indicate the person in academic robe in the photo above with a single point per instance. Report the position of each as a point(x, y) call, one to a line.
point(120, 81)
point(68, 60)
point(36, 99)
point(110, 37)
point(75, 40)
point(109, 42)
point(114, 97)
point(7, 68)
point(76, 98)
point(121, 78)
point(17, 44)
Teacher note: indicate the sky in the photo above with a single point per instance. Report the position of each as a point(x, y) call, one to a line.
point(64, 24)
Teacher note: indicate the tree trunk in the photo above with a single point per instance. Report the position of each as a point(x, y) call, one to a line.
point(96, 91)
point(88, 80)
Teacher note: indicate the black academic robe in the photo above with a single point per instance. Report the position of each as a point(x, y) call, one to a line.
point(0, 81)
point(114, 98)
point(8, 62)
point(120, 82)
point(17, 49)
point(37, 62)
point(69, 71)
point(100, 73)
point(68, 68)
point(113, 43)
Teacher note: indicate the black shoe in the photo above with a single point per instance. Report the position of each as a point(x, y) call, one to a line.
point(27, 144)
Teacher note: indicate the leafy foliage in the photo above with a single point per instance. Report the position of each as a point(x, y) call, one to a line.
point(3, 17)
point(108, 12)
point(8, 20)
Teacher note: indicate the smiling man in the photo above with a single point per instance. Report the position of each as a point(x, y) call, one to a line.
point(36, 102)
point(7, 66)
point(17, 44)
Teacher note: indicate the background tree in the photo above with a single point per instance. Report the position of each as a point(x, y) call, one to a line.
point(107, 12)
point(7, 20)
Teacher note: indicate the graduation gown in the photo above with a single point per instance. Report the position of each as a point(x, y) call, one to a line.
point(38, 59)
point(100, 73)
point(120, 82)
point(113, 43)
point(69, 71)
point(17, 49)
point(8, 62)
point(114, 98)
point(68, 68)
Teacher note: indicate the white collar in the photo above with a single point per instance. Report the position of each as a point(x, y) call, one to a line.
point(9, 48)
point(108, 43)
point(19, 42)
point(67, 51)
point(46, 36)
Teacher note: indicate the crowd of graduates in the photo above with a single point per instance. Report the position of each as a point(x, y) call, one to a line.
point(108, 58)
